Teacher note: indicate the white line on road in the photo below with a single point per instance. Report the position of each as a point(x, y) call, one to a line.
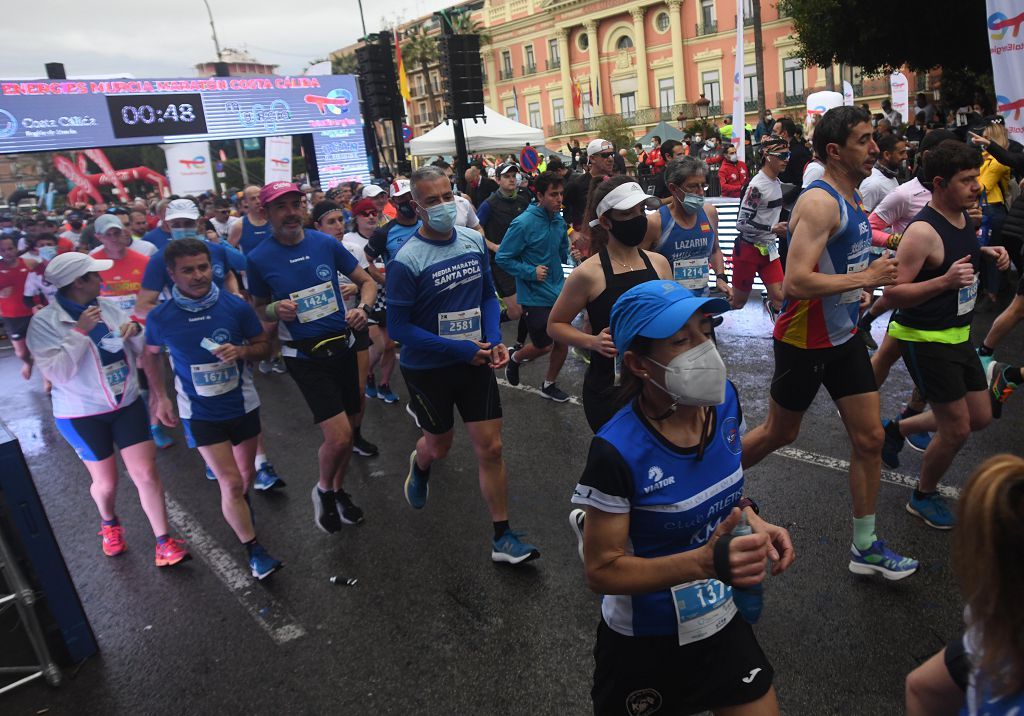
point(832, 463)
point(264, 609)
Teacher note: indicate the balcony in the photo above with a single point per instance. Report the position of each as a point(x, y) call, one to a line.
point(505, 74)
point(530, 69)
point(748, 21)
point(552, 65)
point(709, 28)
point(750, 105)
point(795, 99)
point(639, 118)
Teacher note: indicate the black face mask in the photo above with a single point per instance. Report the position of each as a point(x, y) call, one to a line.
point(406, 210)
point(631, 231)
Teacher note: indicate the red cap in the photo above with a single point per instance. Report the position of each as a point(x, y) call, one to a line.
point(364, 205)
point(278, 189)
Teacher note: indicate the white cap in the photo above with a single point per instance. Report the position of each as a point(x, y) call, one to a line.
point(625, 196)
point(400, 186)
point(106, 222)
point(370, 191)
point(65, 268)
point(597, 146)
point(182, 209)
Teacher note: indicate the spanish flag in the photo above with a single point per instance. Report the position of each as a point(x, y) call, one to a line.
point(403, 80)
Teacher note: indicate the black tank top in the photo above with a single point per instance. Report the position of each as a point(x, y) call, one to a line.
point(952, 308)
point(601, 373)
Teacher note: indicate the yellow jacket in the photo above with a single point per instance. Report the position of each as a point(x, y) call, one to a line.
point(994, 178)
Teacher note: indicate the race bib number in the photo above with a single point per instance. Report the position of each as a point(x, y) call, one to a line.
point(460, 325)
point(703, 608)
point(691, 273)
point(127, 303)
point(966, 297)
point(315, 302)
point(213, 379)
point(853, 295)
point(116, 375)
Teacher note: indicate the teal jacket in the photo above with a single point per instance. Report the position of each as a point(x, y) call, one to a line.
point(535, 238)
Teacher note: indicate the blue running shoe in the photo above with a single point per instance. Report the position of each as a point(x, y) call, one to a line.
point(385, 393)
point(892, 445)
point(267, 478)
point(985, 360)
point(262, 564)
point(509, 548)
point(209, 474)
point(416, 487)
point(371, 387)
point(879, 559)
point(162, 439)
point(920, 441)
point(932, 508)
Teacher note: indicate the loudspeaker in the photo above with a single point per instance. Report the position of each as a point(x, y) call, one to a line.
point(378, 79)
point(462, 76)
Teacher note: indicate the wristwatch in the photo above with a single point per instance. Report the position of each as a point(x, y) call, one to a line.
point(366, 308)
point(747, 502)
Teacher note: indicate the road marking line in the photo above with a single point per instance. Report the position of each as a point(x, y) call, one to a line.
point(832, 463)
point(263, 608)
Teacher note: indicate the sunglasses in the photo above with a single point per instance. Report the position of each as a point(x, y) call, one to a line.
point(606, 155)
point(370, 214)
point(784, 156)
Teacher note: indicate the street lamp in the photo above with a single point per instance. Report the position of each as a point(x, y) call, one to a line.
point(703, 104)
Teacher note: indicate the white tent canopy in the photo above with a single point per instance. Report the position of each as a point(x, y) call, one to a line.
point(497, 134)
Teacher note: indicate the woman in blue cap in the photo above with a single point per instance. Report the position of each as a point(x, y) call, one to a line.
point(663, 490)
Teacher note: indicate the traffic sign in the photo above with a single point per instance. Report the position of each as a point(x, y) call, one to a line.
point(529, 159)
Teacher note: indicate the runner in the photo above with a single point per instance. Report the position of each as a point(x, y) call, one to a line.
point(328, 217)
point(816, 342)
point(14, 272)
point(293, 278)
point(663, 490)
point(686, 231)
point(160, 234)
point(382, 247)
point(756, 250)
point(619, 225)
point(87, 349)
point(39, 292)
point(444, 313)
point(892, 152)
point(600, 162)
point(533, 251)
point(937, 286)
point(211, 336)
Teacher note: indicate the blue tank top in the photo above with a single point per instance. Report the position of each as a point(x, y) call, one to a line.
point(687, 250)
point(253, 236)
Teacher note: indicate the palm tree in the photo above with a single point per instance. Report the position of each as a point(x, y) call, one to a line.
point(421, 49)
point(463, 24)
point(344, 64)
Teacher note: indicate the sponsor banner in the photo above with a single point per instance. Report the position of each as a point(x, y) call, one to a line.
point(820, 102)
point(900, 89)
point(278, 164)
point(1006, 45)
point(189, 168)
point(739, 114)
point(847, 94)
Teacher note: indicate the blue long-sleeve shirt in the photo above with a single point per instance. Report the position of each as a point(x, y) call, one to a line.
point(536, 237)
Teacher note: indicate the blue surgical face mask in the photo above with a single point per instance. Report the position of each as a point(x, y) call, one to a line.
point(46, 253)
point(691, 203)
point(441, 218)
point(183, 234)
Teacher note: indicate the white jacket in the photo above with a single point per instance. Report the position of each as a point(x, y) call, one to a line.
point(71, 361)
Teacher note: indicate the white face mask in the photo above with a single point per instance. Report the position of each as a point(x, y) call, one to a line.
point(695, 377)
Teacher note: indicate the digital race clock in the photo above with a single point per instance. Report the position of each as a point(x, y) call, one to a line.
point(156, 115)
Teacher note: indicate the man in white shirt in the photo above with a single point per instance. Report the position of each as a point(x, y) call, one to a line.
point(892, 151)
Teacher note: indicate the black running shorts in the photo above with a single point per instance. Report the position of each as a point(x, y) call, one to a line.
point(943, 372)
point(329, 385)
point(435, 393)
point(844, 370)
point(537, 325)
point(200, 433)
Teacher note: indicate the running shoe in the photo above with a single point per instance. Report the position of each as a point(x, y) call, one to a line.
point(553, 392)
point(999, 387)
point(265, 367)
point(113, 539)
point(509, 548)
point(582, 355)
point(932, 508)
point(417, 487)
point(171, 552)
point(371, 387)
point(362, 446)
point(985, 360)
point(349, 512)
point(576, 519)
point(385, 393)
point(412, 414)
point(892, 445)
point(512, 369)
point(920, 441)
point(267, 478)
point(773, 313)
point(325, 511)
point(261, 563)
point(879, 559)
point(209, 473)
point(278, 366)
point(162, 439)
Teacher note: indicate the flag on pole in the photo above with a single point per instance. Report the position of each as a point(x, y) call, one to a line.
point(739, 114)
point(403, 79)
point(515, 101)
point(577, 94)
point(596, 87)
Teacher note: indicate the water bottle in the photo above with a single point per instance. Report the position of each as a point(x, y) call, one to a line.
point(748, 600)
point(984, 229)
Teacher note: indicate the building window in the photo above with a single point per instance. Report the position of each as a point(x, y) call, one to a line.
point(662, 22)
point(511, 112)
point(557, 110)
point(553, 56)
point(422, 117)
point(666, 93)
point(792, 77)
point(707, 13)
point(712, 86)
point(750, 82)
point(435, 80)
point(506, 63)
point(531, 61)
point(533, 113)
point(748, 8)
point(627, 104)
point(419, 85)
point(588, 108)
point(624, 43)
point(582, 41)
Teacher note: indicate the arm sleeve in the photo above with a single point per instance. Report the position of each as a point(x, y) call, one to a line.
point(1014, 160)
point(155, 278)
point(401, 299)
point(509, 251)
point(606, 482)
point(378, 243)
point(490, 309)
point(56, 356)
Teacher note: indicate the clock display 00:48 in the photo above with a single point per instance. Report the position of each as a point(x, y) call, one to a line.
point(156, 115)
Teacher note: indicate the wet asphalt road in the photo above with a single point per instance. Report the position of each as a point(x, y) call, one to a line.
point(433, 627)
